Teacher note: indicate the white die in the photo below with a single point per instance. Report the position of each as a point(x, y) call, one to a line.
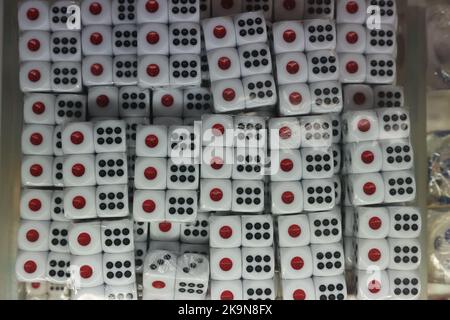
point(382, 40)
point(63, 108)
point(216, 163)
point(293, 231)
point(196, 232)
point(371, 223)
point(358, 97)
point(285, 133)
point(30, 266)
point(319, 9)
point(112, 201)
point(164, 231)
point(152, 11)
point(33, 235)
point(366, 189)
point(296, 263)
point(97, 70)
point(292, 67)
point(78, 138)
point(34, 15)
point(225, 231)
point(181, 12)
point(97, 40)
point(288, 36)
point(258, 289)
point(250, 28)
point(65, 46)
point(185, 70)
point(58, 180)
point(79, 170)
point(151, 39)
point(325, 227)
point(381, 69)
point(126, 292)
point(226, 290)
point(371, 254)
point(323, 65)
point(153, 71)
point(260, 91)
point(184, 38)
point(85, 238)
point(298, 289)
point(58, 267)
point(320, 35)
point(258, 263)
point(295, 99)
point(61, 15)
point(289, 10)
point(330, 288)
point(125, 70)
point(35, 204)
point(372, 285)
point(34, 46)
point(316, 131)
point(103, 101)
point(181, 205)
point(37, 140)
point(196, 102)
point(215, 195)
point(404, 254)
point(39, 108)
point(182, 176)
point(351, 38)
point(358, 126)
point(151, 141)
point(225, 8)
point(386, 9)
point(394, 123)
point(35, 76)
point(399, 186)
point(287, 197)
point(352, 68)
point(36, 171)
point(96, 12)
point(224, 63)
point(286, 165)
point(86, 271)
point(124, 39)
point(389, 96)
point(149, 206)
point(79, 203)
point(217, 130)
point(111, 168)
point(123, 12)
point(219, 33)
point(363, 157)
point(228, 95)
point(167, 102)
point(405, 222)
point(318, 195)
point(248, 196)
point(326, 97)
point(117, 236)
point(328, 259)
point(404, 285)
point(351, 11)
point(226, 264)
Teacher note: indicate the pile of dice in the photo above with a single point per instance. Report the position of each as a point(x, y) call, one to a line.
point(183, 149)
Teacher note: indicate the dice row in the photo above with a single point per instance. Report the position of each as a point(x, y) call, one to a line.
point(312, 35)
point(43, 290)
point(84, 271)
point(39, 15)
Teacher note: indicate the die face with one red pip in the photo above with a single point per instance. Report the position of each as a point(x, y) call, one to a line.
point(228, 95)
point(226, 264)
point(287, 165)
point(97, 70)
point(366, 189)
point(78, 170)
point(287, 197)
point(224, 63)
point(362, 157)
point(226, 290)
point(35, 204)
point(167, 102)
point(295, 99)
point(103, 101)
point(151, 141)
point(36, 171)
point(292, 67)
point(289, 36)
point(293, 231)
point(39, 109)
point(35, 76)
point(358, 97)
point(96, 40)
point(165, 231)
point(31, 266)
point(37, 140)
point(289, 10)
point(79, 203)
point(358, 126)
point(298, 289)
point(219, 33)
point(371, 223)
point(372, 285)
point(34, 15)
point(34, 46)
point(370, 254)
point(86, 271)
point(149, 205)
point(351, 11)
point(215, 195)
point(296, 263)
point(78, 138)
point(85, 239)
point(216, 163)
point(33, 235)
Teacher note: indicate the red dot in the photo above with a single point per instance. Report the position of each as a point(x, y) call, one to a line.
point(102, 101)
point(369, 188)
point(289, 36)
point(84, 239)
point(38, 107)
point(78, 170)
point(96, 38)
point(151, 141)
point(153, 37)
point(34, 45)
point(292, 67)
point(224, 63)
point(158, 284)
point(289, 4)
point(367, 157)
point(297, 263)
point(364, 125)
point(227, 295)
point(299, 294)
point(34, 75)
point(36, 139)
point(216, 163)
point(218, 130)
point(165, 226)
point(226, 232)
point(95, 8)
point(77, 137)
point(167, 100)
point(375, 223)
point(33, 14)
point(35, 205)
point(352, 67)
point(30, 266)
point(359, 98)
point(226, 264)
point(374, 286)
point(150, 173)
point(374, 255)
point(35, 285)
point(149, 206)
point(216, 194)
point(220, 32)
point(79, 202)
point(352, 7)
point(32, 235)
point(286, 165)
point(227, 4)
point(96, 69)
point(153, 70)
point(287, 197)
point(86, 272)
point(36, 170)
point(228, 94)
point(294, 230)
point(295, 98)
point(352, 37)
point(285, 133)
point(152, 6)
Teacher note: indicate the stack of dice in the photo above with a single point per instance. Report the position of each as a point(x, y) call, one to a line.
point(240, 63)
point(161, 65)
